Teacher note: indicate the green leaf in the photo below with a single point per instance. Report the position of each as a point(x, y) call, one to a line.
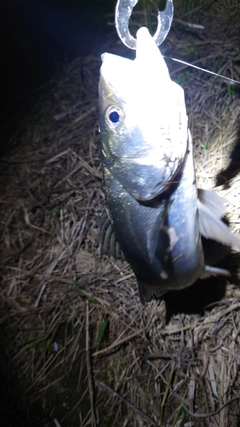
point(111, 370)
point(46, 347)
point(121, 366)
point(84, 293)
point(182, 412)
point(102, 330)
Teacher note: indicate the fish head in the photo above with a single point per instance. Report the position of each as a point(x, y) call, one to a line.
point(143, 118)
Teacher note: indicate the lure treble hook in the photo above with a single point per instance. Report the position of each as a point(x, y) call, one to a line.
point(123, 12)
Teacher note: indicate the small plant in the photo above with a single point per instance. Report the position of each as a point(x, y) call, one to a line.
point(190, 50)
point(87, 245)
point(46, 347)
point(84, 293)
point(111, 370)
point(182, 413)
point(143, 385)
point(121, 366)
point(102, 330)
point(230, 90)
point(54, 213)
point(217, 65)
point(180, 80)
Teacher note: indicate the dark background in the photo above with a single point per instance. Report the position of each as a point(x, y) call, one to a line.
point(38, 38)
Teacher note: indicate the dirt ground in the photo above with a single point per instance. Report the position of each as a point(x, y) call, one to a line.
point(77, 348)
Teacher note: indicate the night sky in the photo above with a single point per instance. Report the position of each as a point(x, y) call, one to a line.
point(38, 39)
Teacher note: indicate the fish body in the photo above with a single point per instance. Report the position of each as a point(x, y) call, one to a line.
point(160, 240)
point(157, 214)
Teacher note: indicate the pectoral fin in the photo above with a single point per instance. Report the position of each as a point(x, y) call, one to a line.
point(211, 226)
point(214, 202)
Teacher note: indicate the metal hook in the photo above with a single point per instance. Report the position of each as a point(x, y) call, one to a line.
point(123, 12)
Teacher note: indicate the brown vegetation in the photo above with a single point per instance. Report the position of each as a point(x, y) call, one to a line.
point(80, 347)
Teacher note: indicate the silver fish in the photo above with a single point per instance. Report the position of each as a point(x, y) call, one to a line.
point(155, 210)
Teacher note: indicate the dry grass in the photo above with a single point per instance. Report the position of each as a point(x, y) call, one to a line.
point(81, 348)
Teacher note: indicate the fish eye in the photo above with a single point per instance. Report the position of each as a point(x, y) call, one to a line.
point(113, 116)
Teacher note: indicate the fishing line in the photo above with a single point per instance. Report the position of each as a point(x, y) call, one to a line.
point(202, 69)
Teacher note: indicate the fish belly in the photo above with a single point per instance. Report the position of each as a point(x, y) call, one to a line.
point(161, 241)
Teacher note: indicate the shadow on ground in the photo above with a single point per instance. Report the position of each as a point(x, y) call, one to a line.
point(203, 294)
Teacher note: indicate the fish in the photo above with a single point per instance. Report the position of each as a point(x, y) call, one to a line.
point(155, 214)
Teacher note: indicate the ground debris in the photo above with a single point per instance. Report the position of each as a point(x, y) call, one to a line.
point(80, 347)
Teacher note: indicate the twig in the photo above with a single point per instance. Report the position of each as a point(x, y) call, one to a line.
point(47, 365)
point(35, 159)
point(89, 370)
point(180, 329)
point(167, 389)
point(189, 24)
point(210, 414)
point(130, 405)
point(194, 414)
point(61, 116)
point(93, 171)
point(27, 221)
point(118, 343)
